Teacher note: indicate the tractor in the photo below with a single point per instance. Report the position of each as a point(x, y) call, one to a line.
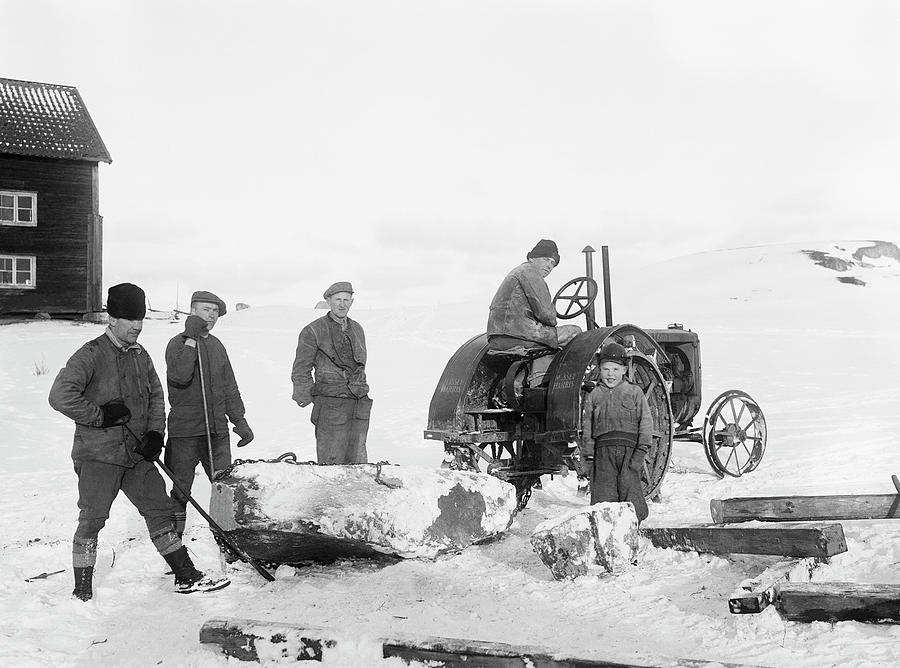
point(489, 419)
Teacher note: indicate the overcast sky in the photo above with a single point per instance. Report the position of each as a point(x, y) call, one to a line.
point(263, 150)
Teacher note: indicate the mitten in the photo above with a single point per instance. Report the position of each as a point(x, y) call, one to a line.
point(151, 445)
point(242, 429)
point(114, 413)
point(637, 461)
point(195, 327)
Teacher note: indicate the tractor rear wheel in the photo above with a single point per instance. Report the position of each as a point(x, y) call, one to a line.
point(644, 373)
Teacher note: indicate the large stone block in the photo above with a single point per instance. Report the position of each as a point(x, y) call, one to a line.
point(293, 513)
point(599, 539)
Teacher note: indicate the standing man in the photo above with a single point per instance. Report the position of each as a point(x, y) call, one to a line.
point(110, 389)
point(335, 346)
point(203, 396)
point(522, 315)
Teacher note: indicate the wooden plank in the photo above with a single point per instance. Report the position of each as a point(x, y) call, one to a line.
point(754, 595)
point(838, 601)
point(805, 508)
point(796, 540)
point(252, 640)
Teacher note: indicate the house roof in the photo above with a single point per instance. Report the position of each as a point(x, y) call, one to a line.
point(47, 121)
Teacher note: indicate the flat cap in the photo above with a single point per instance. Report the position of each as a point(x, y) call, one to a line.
point(340, 286)
point(209, 298)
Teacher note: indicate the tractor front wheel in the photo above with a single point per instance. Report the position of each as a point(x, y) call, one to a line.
point(734, 434)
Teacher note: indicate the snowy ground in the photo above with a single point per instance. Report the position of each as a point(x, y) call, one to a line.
point(817, 354)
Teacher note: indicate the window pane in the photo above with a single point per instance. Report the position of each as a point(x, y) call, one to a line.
point(5, 277)
point(6, 200)
point(24, 201)
point(6, 264)
point(24, 215)
point(23, 271)
point(6, 214)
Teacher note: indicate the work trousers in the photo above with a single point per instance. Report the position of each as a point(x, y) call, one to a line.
point(614, 480)
point(99, 484)
point(183, 453)
point(342, 424)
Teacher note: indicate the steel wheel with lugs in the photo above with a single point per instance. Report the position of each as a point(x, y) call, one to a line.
point(734, 434)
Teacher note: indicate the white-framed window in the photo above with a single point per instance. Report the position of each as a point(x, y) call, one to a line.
point(18, 208)
point(17, 271)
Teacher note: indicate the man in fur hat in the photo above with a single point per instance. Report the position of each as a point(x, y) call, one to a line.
point(110, 389)
point(522, 316)
point(334, 348)
point(196, 361)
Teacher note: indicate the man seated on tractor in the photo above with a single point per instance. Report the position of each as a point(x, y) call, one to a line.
point(522, 318)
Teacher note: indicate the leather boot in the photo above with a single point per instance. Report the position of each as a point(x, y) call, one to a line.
point(84, 578)
point(187, 578)
point(180, 563)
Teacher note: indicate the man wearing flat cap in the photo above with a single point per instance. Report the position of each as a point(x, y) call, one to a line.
point(110, 389)
point(522, 316)
point(203, 397)
point(330, 373)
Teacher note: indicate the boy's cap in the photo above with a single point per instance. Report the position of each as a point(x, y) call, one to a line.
point(613, 352)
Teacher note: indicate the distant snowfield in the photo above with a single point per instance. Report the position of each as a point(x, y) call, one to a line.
point(818, 355)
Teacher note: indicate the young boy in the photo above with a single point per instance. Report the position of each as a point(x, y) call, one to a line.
point(616, 426)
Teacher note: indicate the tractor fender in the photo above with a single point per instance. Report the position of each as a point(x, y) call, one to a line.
point(446, 411)
point(568, 368)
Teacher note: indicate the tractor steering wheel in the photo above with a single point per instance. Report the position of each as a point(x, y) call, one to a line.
point(576, 299)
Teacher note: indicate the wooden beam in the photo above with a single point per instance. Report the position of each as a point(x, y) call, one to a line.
point(838, 601)
point(796, 540)
point(754, 595)
point(252, 640)
point(805, 508)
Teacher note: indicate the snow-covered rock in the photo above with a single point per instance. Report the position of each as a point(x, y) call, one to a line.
point(600, 539)
point(292, 513)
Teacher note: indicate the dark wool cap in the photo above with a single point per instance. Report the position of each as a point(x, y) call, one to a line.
point(209, 298)
point(544, 248)
point(340, 286)
point(126, 300)
point(613, 352)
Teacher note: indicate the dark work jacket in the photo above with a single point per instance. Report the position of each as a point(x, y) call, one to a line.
point(522, 308)
point(621, 413)
point(185, 396)
point(100, 372)
point(316, 350)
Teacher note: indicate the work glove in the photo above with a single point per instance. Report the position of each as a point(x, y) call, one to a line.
point(637, 461)
point(151, 445)
point(113, 413)
point(243, 430)
point(302, 399)
point(195, 327)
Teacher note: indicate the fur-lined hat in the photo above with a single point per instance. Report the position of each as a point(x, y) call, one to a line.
point(126, 300)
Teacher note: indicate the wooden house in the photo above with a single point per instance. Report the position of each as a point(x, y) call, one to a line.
point(51, 230)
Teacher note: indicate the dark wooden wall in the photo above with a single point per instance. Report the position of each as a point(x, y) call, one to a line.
point(67, 241)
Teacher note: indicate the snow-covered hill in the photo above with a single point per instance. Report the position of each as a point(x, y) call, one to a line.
point(817, 354)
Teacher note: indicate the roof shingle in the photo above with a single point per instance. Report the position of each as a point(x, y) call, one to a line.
point(47, 121)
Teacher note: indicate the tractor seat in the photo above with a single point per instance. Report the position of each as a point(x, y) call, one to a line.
point(520, 352)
